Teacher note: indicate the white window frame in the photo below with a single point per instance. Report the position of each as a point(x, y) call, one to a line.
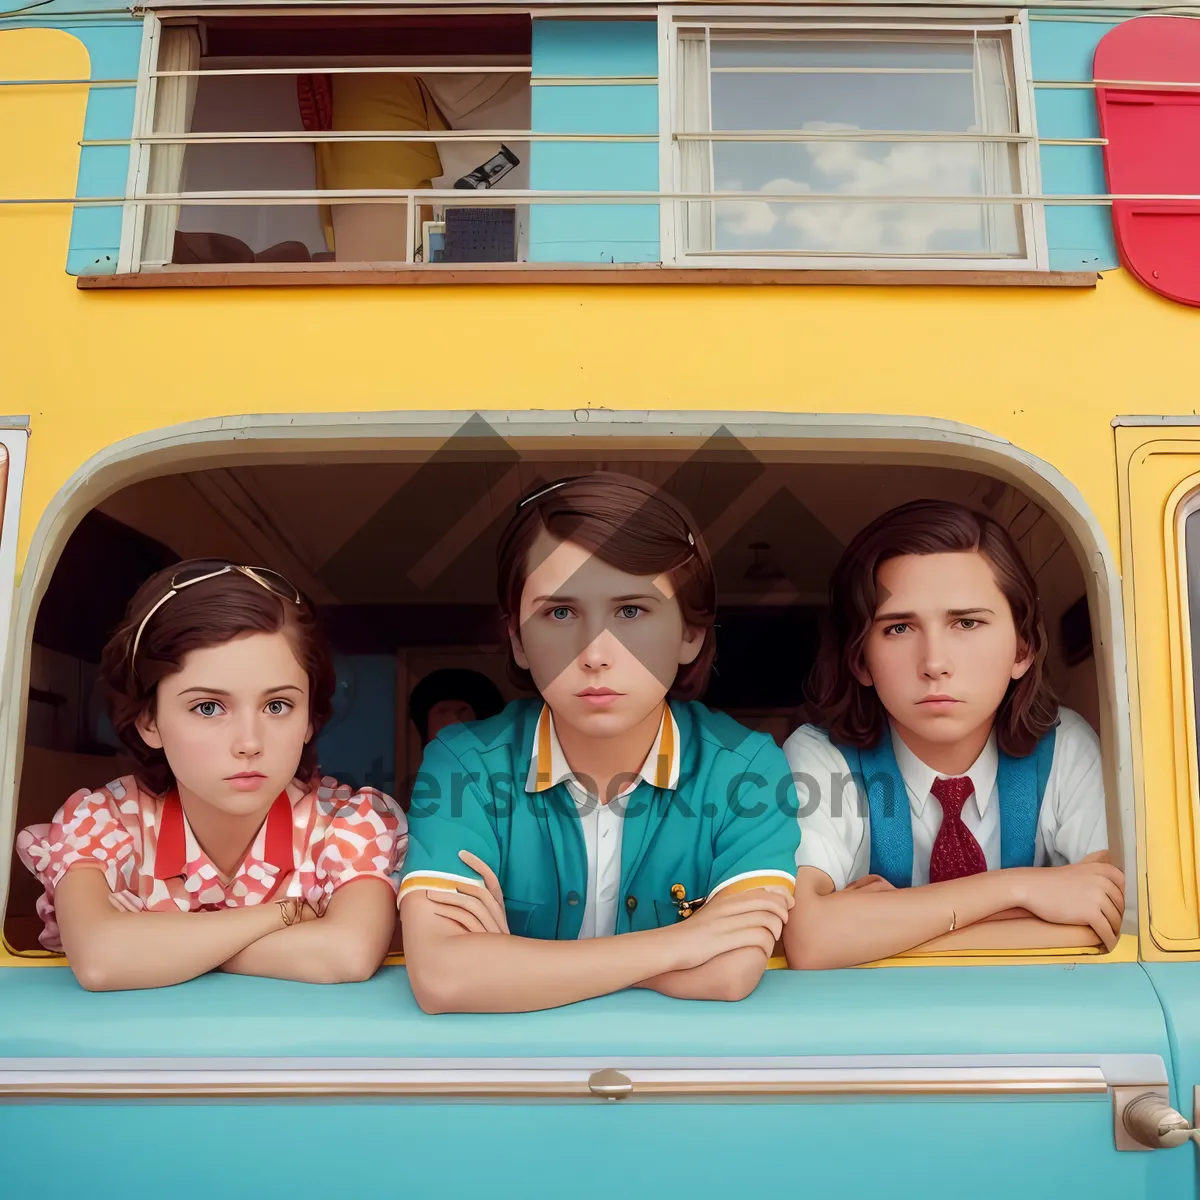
point(674, 19)
point(133, 225)
point(14, 438)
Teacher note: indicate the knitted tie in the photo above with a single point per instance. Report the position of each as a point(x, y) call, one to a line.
point(955, 851)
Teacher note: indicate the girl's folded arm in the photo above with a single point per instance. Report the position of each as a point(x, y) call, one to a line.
point(110, 950)
point(346, 945)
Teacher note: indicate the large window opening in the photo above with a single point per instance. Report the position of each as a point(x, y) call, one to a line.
point(289, 107)
point(399, 558)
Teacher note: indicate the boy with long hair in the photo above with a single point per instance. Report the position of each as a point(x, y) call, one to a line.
point(941, 784)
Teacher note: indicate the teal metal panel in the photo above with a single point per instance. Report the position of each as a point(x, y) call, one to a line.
point(929, 1010)
point(1063, 50)
point(600, 233)
point(311, 1151)
point(605, 108)
point(918, 1147)
point(1067, 114)
point(586, 166)
point(1080, 237)
point(603, 49)
point(1178, 988)
point(44, 10)
point(1072, 171)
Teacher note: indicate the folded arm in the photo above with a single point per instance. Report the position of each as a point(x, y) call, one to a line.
point(112, 950)
point(346, 945)
point(734, 974)
point(452, 970)
point(1017, 932)
point(828, 928)
point(730, 976)
point(467, 961)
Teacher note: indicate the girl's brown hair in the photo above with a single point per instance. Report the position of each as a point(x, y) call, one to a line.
point(630, 525)
point(850, 711)
point(208, 613)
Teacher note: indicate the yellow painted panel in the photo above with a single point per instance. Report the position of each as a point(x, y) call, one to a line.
point(1160, 468)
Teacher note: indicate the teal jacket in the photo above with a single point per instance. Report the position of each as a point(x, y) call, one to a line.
point(729, 821)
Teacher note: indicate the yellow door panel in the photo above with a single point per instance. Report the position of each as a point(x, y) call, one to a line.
point(1160, 485)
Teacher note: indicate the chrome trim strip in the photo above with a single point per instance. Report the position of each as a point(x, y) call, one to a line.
point(651, 1085)
point(1113, 1069)
point(181, 1079)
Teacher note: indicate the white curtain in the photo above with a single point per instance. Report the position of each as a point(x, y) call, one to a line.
point(996, 112)
point(695, 157)
point(175, 98)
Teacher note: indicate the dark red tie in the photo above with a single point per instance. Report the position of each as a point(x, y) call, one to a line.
point(955, 851)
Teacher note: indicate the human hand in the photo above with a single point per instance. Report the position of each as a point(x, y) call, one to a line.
point(476, 910)
point(733, 921)
point(126, 902)
point(1090, 892)
point(869, 883)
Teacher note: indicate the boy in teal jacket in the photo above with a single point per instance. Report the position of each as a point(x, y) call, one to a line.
point(614, 832)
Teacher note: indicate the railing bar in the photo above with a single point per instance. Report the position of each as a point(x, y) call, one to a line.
point(68, 82)
point(592, 80)
point(840, 71)
point(381, 135)
point(847, 135)
point(505, 198)
point(403, 70)
point(1118, 84)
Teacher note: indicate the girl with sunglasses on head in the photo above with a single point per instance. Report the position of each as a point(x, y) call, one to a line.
point(223, 850)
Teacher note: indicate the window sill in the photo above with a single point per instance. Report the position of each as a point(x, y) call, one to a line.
point(391, 275)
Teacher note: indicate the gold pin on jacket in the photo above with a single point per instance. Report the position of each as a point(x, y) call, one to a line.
point(685, 906)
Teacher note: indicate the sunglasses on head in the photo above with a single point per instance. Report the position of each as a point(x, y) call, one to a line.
point(271, 581)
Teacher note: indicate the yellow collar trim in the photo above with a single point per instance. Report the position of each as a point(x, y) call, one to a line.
point(549, 766)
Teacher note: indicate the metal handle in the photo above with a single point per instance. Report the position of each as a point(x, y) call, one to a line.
point(1150, 1120)
point(610, 1084)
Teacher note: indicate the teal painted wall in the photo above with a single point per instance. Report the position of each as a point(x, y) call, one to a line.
point(1080, 237)
point(594, 49)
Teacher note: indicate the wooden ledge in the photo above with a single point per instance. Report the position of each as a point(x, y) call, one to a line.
point(391, 275)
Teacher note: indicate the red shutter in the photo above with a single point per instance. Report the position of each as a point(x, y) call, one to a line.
point(1154, 148)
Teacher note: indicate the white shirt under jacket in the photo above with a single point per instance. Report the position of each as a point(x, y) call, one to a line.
point(836, 837)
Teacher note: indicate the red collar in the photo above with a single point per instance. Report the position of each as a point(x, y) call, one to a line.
point(170, 859)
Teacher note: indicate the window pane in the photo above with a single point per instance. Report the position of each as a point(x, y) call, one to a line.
point(903, 230)
point(916, 103)
point(866, 168)
point(814, 51)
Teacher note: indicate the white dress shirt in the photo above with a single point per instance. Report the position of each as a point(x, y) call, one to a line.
point(603, 824)
point(835, 820)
